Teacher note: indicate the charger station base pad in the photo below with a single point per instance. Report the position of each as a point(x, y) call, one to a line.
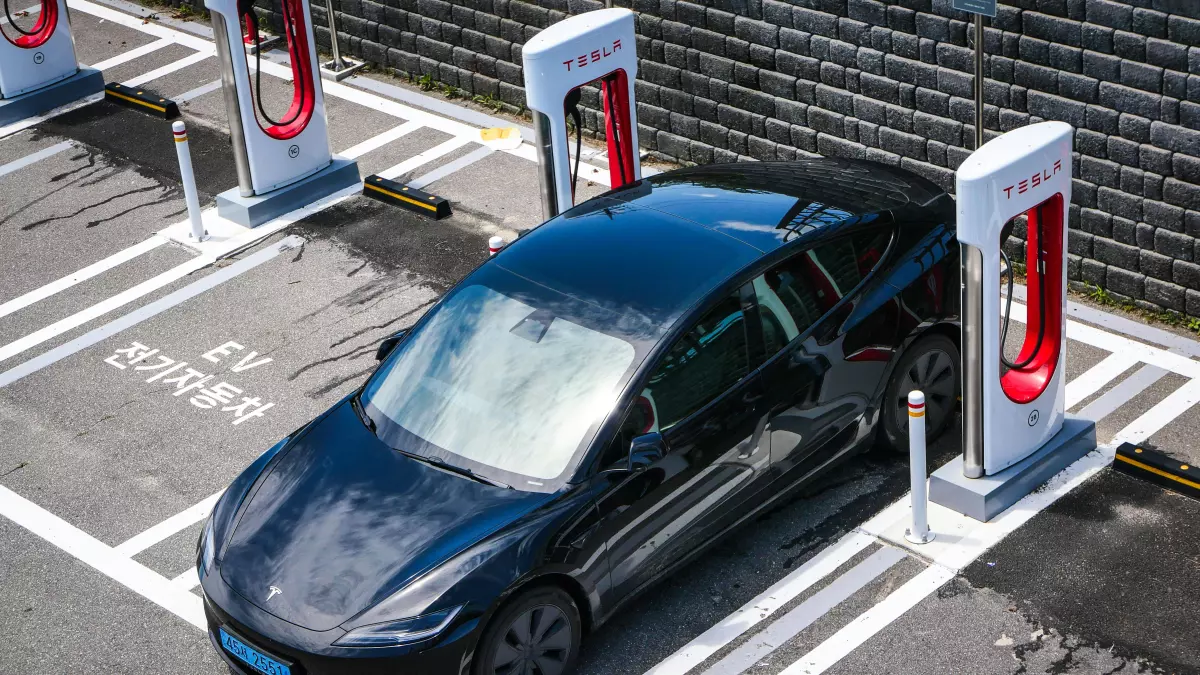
point(985, 498)
point(82, 84)
point(258, 209)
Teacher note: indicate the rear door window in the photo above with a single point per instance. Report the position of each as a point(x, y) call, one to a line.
point(796, 293)
point(703, 364)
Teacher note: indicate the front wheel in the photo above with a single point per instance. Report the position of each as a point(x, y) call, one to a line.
point(931, 365)
point(536, 633)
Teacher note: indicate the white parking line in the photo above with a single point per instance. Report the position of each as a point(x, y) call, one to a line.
point(135, 53)
point(1122, 393)
point(168, 527)
point(34, 157)
point(88, 550)
point(101, 308)
point(198, 92)
point(1111, 342)
point(803, 615)
point(450, 167)
point(1097, 376)
point(82, 275)
point(380, 140)
point(142, 313)
point(870, 622)
point(1125, 326)
point(1153, 420)
point(752, 613)
point(429, 155)
point(187, 581)
point(28, 11)
point(24, 124)
point(186, 61)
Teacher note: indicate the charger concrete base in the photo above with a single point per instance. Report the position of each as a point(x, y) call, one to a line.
point(86, 82)
point(256, 210)
point(985, 498)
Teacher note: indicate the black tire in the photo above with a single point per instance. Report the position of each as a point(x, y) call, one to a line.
point(932, 365)
point(536, 633)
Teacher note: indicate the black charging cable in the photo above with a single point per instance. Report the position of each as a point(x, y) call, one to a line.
point(1040, 266)
point(300, 81)
point(571, 106)
point(13, 23)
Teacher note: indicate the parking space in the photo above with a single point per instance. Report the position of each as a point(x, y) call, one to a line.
point(139, 375)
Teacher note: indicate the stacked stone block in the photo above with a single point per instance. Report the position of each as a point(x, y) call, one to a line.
point(728, 80)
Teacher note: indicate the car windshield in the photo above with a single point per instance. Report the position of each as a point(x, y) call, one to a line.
point(499, 382)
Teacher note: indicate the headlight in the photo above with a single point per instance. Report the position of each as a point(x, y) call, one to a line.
point(206, 551)
point(402, 632)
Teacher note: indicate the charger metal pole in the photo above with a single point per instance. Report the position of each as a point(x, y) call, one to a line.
point(337, 63)
point(978, 81)
point(971, 281)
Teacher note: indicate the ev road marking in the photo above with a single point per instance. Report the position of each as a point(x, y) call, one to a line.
point(38, 156)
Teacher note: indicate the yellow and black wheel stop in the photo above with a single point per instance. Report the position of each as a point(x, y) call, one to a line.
point(141, 99)
point(391, 192)
point(1158, 468)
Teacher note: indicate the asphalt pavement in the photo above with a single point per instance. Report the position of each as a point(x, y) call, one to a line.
point(111, 451)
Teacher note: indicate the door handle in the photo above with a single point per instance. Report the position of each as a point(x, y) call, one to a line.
point(751, 399)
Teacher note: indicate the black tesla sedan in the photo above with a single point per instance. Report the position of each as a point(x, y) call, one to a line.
point(583, 414)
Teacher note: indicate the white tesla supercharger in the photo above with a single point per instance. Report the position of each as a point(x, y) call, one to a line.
point(597, 46)
point(38, 70)
point(1016, 433)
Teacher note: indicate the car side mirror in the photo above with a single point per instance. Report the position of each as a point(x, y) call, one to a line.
point(389, 343)
point(646, 450)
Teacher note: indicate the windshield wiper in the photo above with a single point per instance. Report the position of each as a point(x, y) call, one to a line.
point(362, 414)
point(450, 468)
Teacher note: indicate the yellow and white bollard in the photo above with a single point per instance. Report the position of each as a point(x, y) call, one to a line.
point(919, 532)
point(189, 181)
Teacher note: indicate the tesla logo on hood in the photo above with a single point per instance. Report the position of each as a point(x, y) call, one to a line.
point(274, 591)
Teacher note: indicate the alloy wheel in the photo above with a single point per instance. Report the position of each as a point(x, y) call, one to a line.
point(933, 374)
point(537, 643)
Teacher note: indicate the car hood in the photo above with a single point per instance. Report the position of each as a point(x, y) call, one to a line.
point(342, 520)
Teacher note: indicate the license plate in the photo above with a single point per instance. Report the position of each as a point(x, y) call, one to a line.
point(252, 657)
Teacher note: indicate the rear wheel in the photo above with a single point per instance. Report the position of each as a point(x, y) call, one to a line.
point(536, 633)
point(932, 366)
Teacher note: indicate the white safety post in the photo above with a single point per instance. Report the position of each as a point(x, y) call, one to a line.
point(189, 181)
point(494, 245)
point(919, 532)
